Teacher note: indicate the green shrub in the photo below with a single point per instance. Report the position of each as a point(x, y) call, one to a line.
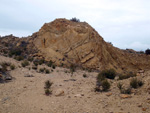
point(53, 66)
point(120, 85)
point(75, 19)
point(126, 90)
point(25, 63)
point(16, 52)
point(72, 68)
point(105, 85)
point(110, 74)
point(100, 77)
point(47, 87)
point(48, 84)
point(97, 89)
point(4, 67)
point(30, 59)
point(47, 71)
point(19, 58)
point(48, 92)
point(140, 83)
point(42, 69)
point(126, 76)
point(50, 63)
point(134, 83)
point(12, 67)
point(35, 63)
point(34, 67)
point(84, 75)
point(41, 61)
point(147, 52)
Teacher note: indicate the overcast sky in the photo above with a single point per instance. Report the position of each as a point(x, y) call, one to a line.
point(125, 23)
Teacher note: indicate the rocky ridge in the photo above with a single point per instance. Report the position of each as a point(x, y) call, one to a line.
point(66, 42)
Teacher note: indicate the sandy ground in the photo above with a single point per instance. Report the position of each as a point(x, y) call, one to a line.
point(26, 94)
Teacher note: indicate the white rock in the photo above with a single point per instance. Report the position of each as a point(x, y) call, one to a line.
point(59, 92)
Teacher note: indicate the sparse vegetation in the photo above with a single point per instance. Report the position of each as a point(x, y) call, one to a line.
point(126, 76)
point(75, 19)
point(47, 71)
point(84, 75)
point(50, 63)
point(140, 83)
point(120, 86)
point(19, 58)
point(147, 52)
point(38, 62)
point(25, 63)
point(35, 63)
point(100, 78)
point(126, 90)
point(72, 68)
point(53, 66)
point(15, 51)
point(110, 74)
point(105, 85)
point(41, 70)
point(12, 66)
point(41, 61)
point(102, 83)
point(48, 92)
point(48, 84)
point(4, 67)
point(30, 59)
point(34, 67)
point(47, 87)
point(134, 83)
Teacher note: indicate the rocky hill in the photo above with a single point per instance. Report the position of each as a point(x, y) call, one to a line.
point(68, 43)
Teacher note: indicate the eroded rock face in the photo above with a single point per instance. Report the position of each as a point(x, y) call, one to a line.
point(64, 41)
point(67, 42)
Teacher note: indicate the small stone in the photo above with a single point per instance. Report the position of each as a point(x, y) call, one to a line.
point(25, 87)
point(82, 94)
point(59, 92)
point(108, 94)
point(124, 96)
point(143, 109)
point(8, 78)
point(78, 95)
point(140, 105)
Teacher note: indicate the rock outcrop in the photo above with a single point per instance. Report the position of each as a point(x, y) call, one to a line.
point(66, 42)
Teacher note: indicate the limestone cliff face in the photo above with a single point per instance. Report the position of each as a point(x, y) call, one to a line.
point(68, 42)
